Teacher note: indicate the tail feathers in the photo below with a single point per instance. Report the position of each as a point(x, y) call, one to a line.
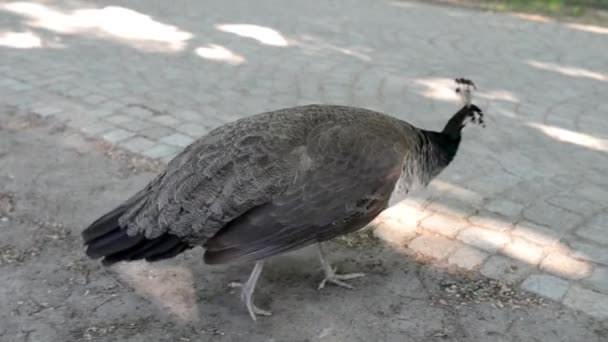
point(105, 238)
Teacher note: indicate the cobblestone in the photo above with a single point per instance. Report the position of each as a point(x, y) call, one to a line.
point(523, 250)
point(117, 135)
point(596, 229)
point(443, 224)
point(598, 279)
point(433, 246)
point(485, 239)
point(565, 266)
point(506, 269)
point(587, 301)
point(546, 286)
point(468, 257)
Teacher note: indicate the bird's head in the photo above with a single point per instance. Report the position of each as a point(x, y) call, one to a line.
point(468, 113)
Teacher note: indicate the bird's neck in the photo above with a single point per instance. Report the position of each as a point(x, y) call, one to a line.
point(437, 150)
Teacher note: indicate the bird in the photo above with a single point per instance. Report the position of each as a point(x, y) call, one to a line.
point(278, 181)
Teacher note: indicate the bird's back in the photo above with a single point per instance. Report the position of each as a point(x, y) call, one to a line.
point(245, 164)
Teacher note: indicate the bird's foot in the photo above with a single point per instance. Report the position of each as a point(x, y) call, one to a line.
point(338, 279)
point(247, 298)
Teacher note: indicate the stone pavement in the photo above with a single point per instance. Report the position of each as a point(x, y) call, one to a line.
point(526, 199)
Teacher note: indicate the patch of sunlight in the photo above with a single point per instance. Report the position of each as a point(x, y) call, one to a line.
point(568, 70)
point(533, 17)
point(538, 246)
point(444, 89)
point(397, 225)
point(113, 21)
point(439, 89)
point(402, 4)
point(264, 35)
point(499, 95)
point(317, 44)
point(568, 136)
point(20, 40)
point(589, 28)
point(504, 112)
point(219, 53)
point(171, 287)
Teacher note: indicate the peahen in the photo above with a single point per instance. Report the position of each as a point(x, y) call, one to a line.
point(278, 181)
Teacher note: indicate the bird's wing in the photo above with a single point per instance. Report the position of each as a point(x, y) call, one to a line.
point(345, 183)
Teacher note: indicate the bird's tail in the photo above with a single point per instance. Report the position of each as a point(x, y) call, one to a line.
point(106, 238)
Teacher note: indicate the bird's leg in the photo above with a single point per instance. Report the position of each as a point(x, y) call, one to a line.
point(330, 273)
point(247, 291)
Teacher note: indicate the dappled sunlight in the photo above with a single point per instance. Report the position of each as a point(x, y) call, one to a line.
point(438, 89)
point(572, 137)
point(112, 21)
point(589, 28)
point(497, 95)
point(219, 53)
point(533, 17)
point(444, 89)
point(403, 4)
point(568, 70)
point(427, 229)
point(262, 34)
point(170, 287)
point(20, 40)
point(313, 43)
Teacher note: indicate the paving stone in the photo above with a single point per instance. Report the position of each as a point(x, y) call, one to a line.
point(452, 206)
point(160, 151)
point(94, 99)
point(575, 204)
point(590, 251)
point(47, 110)
point(590, 302)
point(393, 231)
point(137, 144)
point(555, 218)
point(193, 130)
point(136, 125)
point(524, 250)
point(138, 112)
point(596, 229)
point(538, 234)
point(493, 184)
point(505, 207)
point(593, 193)
point(177, 139)
point(530, 191)
point(492, 221)
point(433, 246)
point(598, 279)
point(468, 257)
point(485, 239)
point(97, 128)
point(547, 286)
point(189, 116)
point(165, 120)
point(117, 135)
point(444, 224)
point(118, 119)
point(156, 133)
point(506, 269)
point(565, 266)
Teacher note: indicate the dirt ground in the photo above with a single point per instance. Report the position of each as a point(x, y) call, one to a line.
point(53, 182)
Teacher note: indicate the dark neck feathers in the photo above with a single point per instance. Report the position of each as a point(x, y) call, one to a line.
point(457, 122)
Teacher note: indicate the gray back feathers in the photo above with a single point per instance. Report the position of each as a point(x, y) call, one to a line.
point(259, 161)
